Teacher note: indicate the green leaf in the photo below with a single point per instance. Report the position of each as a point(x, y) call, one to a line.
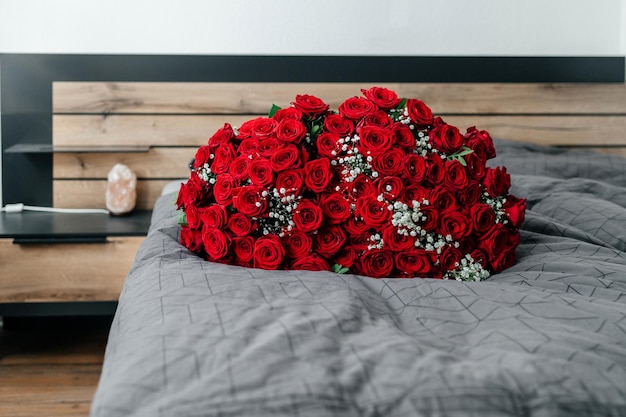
point(182, 218)
point(339, 269)
point(315, 129)
point(459, 155)
point(402, 104)
point(273, 110)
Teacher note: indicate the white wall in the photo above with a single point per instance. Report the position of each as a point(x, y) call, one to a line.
point(301, 27)
point(336, 27)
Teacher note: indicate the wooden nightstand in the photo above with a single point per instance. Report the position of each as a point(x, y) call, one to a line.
point(66, 264)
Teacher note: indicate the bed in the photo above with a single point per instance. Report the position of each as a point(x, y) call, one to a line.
point(545, 337)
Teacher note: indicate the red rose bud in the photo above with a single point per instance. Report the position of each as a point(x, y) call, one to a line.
point(346, 256)
point(223, 189)
point(403, 136)
point(455, 175)
point(435, 173)
point(432, 218)
point(335, 207)
point(248, 200)
point(388, 162)
point(310, 105)
point(504, 260)
point(191, 239)
point(475, 166)
point(224, 156)
point(374, 213)
point(240, 168)
point(214, 216)
point(382, 97)
point(415, 261)
point(288, 113)
point(455, 224)
point(291, 181)
point(266, 147)
point(241, 225)
point(243, 248)
point(221, 137)
point(317, 174)
point(390, 187)
point(450, 258)
point(493, 241)
point(327, 143)
point(375, 139)
point(329, 240)
point(379, 119)
point(261, 172)
point(263, 127)
point(285, 157)
point(395, 241)
point(248, 146)
point(290, 130)
point(483, 217)
point(203, 156)
point(470, 195)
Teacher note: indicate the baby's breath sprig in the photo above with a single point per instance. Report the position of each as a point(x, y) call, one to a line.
point(468, 270)
point(205, 173)
point(282, 204)
point(496, 204)
point(352, 160)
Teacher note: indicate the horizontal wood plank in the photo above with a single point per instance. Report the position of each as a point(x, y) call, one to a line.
point(156, 163)
point(91, 193)
point(257, 98)
point(59, 272)
point(164, 130)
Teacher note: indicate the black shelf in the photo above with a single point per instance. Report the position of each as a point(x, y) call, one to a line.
point(42, 227)
point(29, 148)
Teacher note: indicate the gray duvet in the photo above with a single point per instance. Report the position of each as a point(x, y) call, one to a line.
point(544, 338)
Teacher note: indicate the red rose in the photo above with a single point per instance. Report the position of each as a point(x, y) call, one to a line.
point(419, 112)
point(455, 224)
point(390, 187)
point(214, 216)
point(310, 262)
point(267, 147)
point(317, 174)
point(308, 216)
point(493, 241)
point(403, 136)
point(310, 105)
point(356, 108)
point(480, 141)
point(435, 173)
point(239, 168)
point(382, 97)
point(222, 136)
point(298, 244)
point(290, 130)
point(346, 256)
point(241, 225)
point(374, 140)
point(335, 207)
point(359, 242)
point(248, 200)
point(497, 182)
point(446, 138)
point(243, 247)
point(287, 113)
point(263, 127)
point(191, 192)
point(482, 216)
point(355, 226)
point(414, 168)
point(329, 240)
point(504, 260)
point(377, 263)
point(375, 213)
point(191, 239)
point(290, 181)
point(248, 146)
point(361, 186)
point(389, 162)
point(203, 156)
point(414, 193)
point(455, 175)
point(430, 218)
point(246, 129)
point(261, 172)
point(339, 124)
point(224, 156)
point(327, 143)
point(515, 209)
point(269, 252)
point(285, 157)
point(223, 189)
point(442, 199)
point(475, 165)
point(449, 258)
point(414, 261)
point(395, 241)
point(192, 216)
point(479, 257)
point(470, 195)
point(379, 119)
point(215, 242)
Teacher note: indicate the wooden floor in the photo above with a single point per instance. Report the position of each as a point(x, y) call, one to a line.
point(50, 367)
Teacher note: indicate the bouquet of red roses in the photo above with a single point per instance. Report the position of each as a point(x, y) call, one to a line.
point(380, 188)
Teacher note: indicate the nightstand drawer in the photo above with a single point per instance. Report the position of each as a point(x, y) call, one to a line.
point(65, 272)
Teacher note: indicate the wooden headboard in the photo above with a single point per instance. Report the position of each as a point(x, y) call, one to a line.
point(155, 128)
point(67, 119)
